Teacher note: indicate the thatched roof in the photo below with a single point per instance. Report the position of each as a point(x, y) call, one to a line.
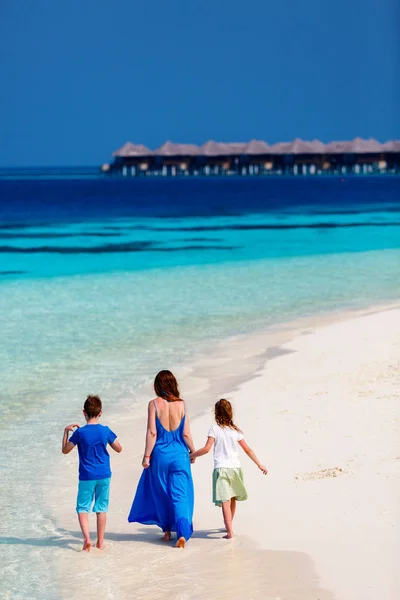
point(235, 147)
point(299, 146)
point(337, 147)
point(257, 147)
point(360, 146)
point(281, 148)
point(171, 149)
point(130, 149)
point(212, 148)
point(356, 146)
point(391, 146)
point(260, 147)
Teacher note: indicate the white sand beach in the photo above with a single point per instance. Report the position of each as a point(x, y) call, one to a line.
point(319, 404)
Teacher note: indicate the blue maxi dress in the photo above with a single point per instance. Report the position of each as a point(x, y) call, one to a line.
point(165, 494)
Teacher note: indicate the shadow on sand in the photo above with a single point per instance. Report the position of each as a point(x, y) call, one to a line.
point(69, 539)
point(54, 541)
point(235, 569)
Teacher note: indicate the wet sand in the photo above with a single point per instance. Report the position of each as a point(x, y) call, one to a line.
point(318, 402)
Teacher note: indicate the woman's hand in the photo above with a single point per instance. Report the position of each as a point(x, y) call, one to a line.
point(263, 469)
point(146, 462)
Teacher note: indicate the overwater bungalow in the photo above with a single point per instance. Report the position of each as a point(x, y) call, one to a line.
point(256, 158)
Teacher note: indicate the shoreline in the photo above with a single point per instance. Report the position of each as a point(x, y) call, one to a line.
point(257, 548)
point(200, 372)
point(273, 336)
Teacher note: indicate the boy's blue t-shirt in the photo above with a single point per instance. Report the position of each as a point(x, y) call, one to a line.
point(94, 460)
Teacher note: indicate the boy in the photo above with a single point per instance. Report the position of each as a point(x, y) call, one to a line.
point(94, 467)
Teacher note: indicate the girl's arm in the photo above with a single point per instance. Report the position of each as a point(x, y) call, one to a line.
point(205, 450)
point(186, 432)
point(151, 435)
point(253, 457)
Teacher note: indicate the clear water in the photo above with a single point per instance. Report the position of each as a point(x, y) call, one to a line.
point(102, 283)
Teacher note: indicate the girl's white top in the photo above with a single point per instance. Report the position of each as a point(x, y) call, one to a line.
point(226, 449)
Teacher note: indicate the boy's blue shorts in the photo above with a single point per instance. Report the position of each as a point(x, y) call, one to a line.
point(97, 490)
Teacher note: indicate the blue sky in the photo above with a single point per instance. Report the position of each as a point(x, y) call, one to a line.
point(79, 78)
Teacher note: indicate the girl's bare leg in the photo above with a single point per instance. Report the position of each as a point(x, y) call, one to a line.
point(227, 514)
point(233, 507)
point(101, 527)
point(167, 536)
point(83, 519)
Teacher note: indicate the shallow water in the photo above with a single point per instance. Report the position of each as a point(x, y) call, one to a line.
point(99, 289)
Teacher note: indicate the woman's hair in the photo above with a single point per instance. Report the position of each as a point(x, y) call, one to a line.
point(166, 386)
point(223, 413)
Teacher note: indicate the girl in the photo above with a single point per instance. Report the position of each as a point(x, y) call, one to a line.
point(228, 485)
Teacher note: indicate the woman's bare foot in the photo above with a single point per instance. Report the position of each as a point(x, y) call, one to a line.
point(228, 536)
point(180, 543)
point(99, 545)
point(167, 536)
point(86, 546)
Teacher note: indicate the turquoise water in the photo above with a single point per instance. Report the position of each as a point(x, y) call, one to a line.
point(82, 310)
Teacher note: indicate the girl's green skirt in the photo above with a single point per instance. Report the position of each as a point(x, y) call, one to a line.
point(227, 484)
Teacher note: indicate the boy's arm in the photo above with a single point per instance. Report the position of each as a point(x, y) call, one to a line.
point(116, 446)
point(112, 440)
point(205, 450)
point(253, 457)
point(67, 446)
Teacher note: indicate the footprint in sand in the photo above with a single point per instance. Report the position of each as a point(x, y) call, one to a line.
point(323, 474)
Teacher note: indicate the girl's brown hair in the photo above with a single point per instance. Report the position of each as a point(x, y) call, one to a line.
point(223, 413)
point(166, 386)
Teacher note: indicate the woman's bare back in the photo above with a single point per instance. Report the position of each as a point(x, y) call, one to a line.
point(170, 414)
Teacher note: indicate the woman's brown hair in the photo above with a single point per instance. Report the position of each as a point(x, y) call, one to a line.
point(223, 413)
point(166, 386)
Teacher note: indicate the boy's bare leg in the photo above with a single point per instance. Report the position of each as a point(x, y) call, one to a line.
point(233, 507)
point(101, 527)
point(84, 523)
point(227, 514)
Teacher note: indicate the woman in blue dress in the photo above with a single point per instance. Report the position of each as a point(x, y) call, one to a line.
point(165, 495)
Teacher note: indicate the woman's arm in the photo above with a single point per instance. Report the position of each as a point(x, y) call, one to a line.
point(186, 431)
point(253, 457)
point(151, 435)
point(205, 450)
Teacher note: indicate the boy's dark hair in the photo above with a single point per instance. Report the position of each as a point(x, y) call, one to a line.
point(92, 406)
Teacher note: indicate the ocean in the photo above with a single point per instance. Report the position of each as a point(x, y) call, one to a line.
point(105, 281)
